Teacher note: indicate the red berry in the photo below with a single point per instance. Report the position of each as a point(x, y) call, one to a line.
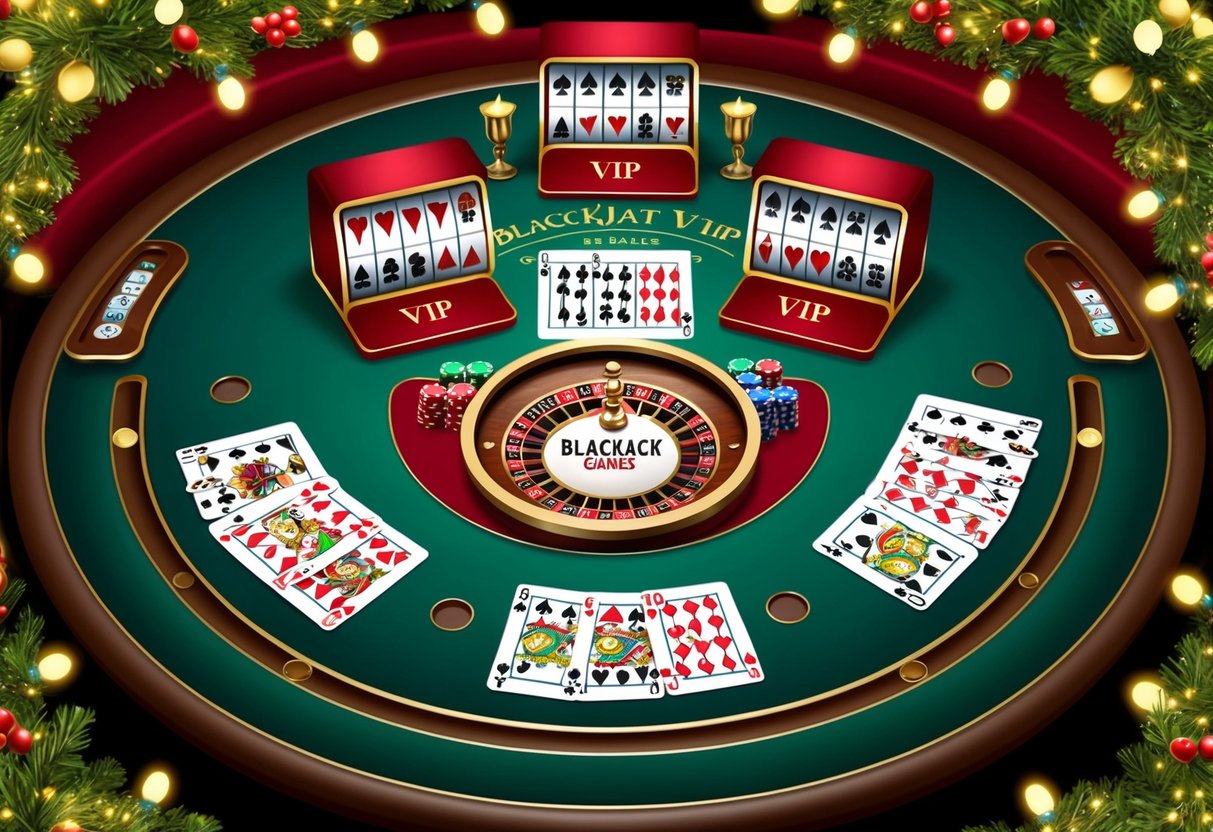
point(259, 25)
point(275, 37)
point(3, 741)
point(6, 8)
point(945, 34)
point(1206, 747)
point(1183, 749)
point(273, 20)
point(1209, 240)
point(184, 39)
point(1016, 31)
point(20, 741)
point(291, 28)
point(921, 12)
point(1044, 28)
point(942, 8)
point(289, 12)
point(3, 612)
point(1206, 261)
point(7, 721)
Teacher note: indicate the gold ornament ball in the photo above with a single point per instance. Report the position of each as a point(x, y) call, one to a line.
point(1175, 12)
point(1202, 27)
point(15, 55)
point(24, 5)
point(1111, 84)
point(76, 81)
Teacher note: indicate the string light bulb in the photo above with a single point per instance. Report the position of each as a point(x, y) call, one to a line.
point(778, 8)
point(28, 268)
point(490, 18)
point(1147, 37)
point(168, 12)
point(15, 54)
point(231, 93)
point(364, 43)
point(1144, 204)
point(842, 47)
point(1162, 297)
point(1111, 83)
point(1147, 694)
point(76, 82)
point(155, 786)
point(55, 665)
point(1040, 801)
point(996, 94)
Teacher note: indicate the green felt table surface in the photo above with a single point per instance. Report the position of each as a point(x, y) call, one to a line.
point(248, 305)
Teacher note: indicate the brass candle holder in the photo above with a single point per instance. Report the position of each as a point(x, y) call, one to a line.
point(738, 122)
point(498, 124)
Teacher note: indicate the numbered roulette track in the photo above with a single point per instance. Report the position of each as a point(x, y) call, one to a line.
point(866, 703)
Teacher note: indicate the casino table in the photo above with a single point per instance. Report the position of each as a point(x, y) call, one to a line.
point(866, 703)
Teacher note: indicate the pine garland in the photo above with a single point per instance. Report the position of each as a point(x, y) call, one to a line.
point(1164, 124)
point(51, 788)
point(1155, 790)
point(127, 48)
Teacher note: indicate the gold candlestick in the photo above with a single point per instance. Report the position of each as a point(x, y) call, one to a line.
point(498, 123)
point(738, 122)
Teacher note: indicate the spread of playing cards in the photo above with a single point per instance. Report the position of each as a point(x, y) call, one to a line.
point(943, 492)
point(480, 421)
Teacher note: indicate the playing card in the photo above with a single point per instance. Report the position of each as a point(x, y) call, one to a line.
point(699, 639)
point(228, 474)
point(911, 471)
point(348, 583)
point(536, 649)
point(963, 517)
point(613, 657)
point(304, 523)
point(885, 547)
point(636, 294)
point(992, 428)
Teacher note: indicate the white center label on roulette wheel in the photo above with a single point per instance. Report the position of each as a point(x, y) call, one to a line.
point(588, 459)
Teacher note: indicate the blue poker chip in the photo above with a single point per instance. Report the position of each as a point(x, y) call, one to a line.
point(750, 381)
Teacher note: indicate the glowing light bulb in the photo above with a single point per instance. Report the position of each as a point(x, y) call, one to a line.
point(28, 268)
point(841, 47)
point(1187, 589)
point(778, 8)
point(1147, 37)
point(55, 666)
point(1147, 695)
point(996, 94)
point(155, 786)
point(490, 18)
point(169, 12)
point(365, 45)
point(1039, 799)
point(1162, 298)
point(231, 93)
point(1143, 204)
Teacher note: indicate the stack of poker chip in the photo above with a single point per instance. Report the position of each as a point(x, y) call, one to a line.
point(451, 372)
point(787, 407)
point(764, 401)
point(478, 373)
point(770, 371)
point(431, 405)
point(458, 397)
point(778, 405)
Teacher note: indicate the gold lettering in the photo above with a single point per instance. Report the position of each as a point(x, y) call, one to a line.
point(681, 220)
point(550, 220)
point(649, 213)
point(434, 311)
point(809, 311)
point(592, 216)
point(628, 216)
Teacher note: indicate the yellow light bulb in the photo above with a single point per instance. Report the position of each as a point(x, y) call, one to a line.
point(55, 666)
point(1202, 28)
point(168, 12)
point(1111, 84)
point(490, 18)
point(1187, 589)
point(778, 8)
point(231, 93)
point(1143, 204)
point(76, 82)
point(28, 268)
point(155, 786)
point(1160, 298)
point(1175, 12)
point(1145, 693)
point(841, 48)
point(996, 94)
point(1147, 37)
point(15, 54)
point(365, 45)
point(1039, 799)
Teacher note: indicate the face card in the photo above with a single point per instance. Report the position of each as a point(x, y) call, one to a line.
point(312, 520)
point(614, 655)
point(536, 650)
point(884, 546)
point(960, 516)
point(699, 639)
point(348, 583)
point(642, 294)
point(246, 467)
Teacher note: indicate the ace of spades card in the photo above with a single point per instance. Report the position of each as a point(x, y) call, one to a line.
point(699, 639)
point(614, 656)
point(536, 650)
